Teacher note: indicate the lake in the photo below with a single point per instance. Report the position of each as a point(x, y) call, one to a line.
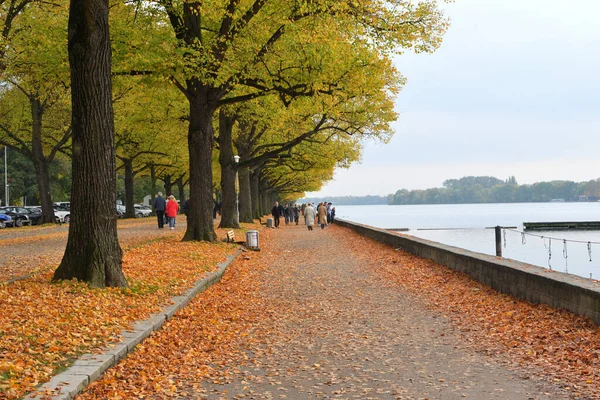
point(464, 225)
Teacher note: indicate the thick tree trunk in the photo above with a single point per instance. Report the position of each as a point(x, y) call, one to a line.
point(40, 163)
point(153, 190)
point(180, 189)
point(200, 224)
point(229, 206)
point(168, 185)
point(129, 175)
point(93, 253)
point(229, 210)
point(245, 195)
point(257, 210)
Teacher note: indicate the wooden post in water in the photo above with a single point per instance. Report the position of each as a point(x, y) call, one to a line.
point(498, 231)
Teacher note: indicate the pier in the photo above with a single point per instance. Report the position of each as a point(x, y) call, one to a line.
point(560, 226)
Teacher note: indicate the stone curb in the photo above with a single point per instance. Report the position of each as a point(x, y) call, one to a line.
point(89, 367)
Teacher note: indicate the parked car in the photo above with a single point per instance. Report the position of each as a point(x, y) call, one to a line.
point(23, 216)
point(142, 211)
point(63, 204)
point(62, 215)
point(5, 220)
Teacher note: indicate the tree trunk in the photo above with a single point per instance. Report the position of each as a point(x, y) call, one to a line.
point(257, 209)
point(200, 224)
point(40, 162)
point(129, 175)
point(245, 195)
point(93, 253)
point(153, 190)
point(168, 185)
point(229, 207)
point(180, 189)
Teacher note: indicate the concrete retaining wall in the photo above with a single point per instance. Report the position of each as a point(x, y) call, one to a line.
point(525, 281)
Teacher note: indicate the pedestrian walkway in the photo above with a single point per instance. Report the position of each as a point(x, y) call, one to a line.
point(349, 334)
point(331, 327)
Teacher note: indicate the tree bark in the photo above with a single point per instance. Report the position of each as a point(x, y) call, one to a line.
point(93, 253)
point(40, 162)
point(153, 190)
point(180, 189)
point(245, 195)
point(200, 224)
point(168, 185)
point(257, 209)
point(129, 176)
point(229, 214)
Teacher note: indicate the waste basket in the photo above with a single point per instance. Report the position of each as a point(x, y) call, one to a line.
point(252, 239)
point(270, 223)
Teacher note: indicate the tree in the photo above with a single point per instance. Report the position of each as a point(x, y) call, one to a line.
point(93, 253)
point(148, 129)
point(229, 48)
point(34, 104)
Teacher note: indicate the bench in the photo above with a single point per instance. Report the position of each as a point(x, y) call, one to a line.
point(230, 237)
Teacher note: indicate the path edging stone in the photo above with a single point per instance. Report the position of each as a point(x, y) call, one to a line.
point(89, 367)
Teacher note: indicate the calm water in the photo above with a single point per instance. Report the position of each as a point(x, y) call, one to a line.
point(463, 225)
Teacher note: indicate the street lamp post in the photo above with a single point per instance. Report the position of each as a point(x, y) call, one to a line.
point(237, 189)
point(6, 175)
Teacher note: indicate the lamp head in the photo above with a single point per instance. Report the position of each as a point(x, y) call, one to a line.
point(237, 159)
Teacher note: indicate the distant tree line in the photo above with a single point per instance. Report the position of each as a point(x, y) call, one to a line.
point(348, 200)
point(487, 189)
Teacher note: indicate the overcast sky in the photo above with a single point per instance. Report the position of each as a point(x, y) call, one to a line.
point(514, 90)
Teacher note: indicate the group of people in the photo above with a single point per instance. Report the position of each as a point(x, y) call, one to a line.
point(323, 215)
point(166, 209)
point(290, 213)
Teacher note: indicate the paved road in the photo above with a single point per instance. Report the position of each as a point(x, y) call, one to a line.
point(343, 332)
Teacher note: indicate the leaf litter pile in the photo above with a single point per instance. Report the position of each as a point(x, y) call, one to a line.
point(45, 326)
point(558, 345)
point(50, 241)
point(224, 328)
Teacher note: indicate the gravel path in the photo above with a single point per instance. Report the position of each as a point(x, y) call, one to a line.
point(342, 332)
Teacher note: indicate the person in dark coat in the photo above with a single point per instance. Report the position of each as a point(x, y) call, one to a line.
point(296, 213)
point(186, 207)
point(277, 211)
point(159, 206)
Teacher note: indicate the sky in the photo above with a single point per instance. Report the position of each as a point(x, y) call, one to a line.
point(514, 90)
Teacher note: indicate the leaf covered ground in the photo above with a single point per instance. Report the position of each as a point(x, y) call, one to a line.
point(555, 344)
point(283, 323)
point(44, 326)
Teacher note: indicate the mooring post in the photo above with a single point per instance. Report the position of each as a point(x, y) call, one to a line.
point(498, 231)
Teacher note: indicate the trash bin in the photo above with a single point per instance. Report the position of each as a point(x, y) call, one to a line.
point(270, 223)
point(252, 239)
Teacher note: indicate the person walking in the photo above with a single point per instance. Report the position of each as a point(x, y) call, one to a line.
point(276, 213)
point(159, 206)
point(171, 209)
point(296, 213)
point(286, 213)
point(290, 213)
point(309, 216)
point(186, 207)
point(332, 215)
point(322, 210)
